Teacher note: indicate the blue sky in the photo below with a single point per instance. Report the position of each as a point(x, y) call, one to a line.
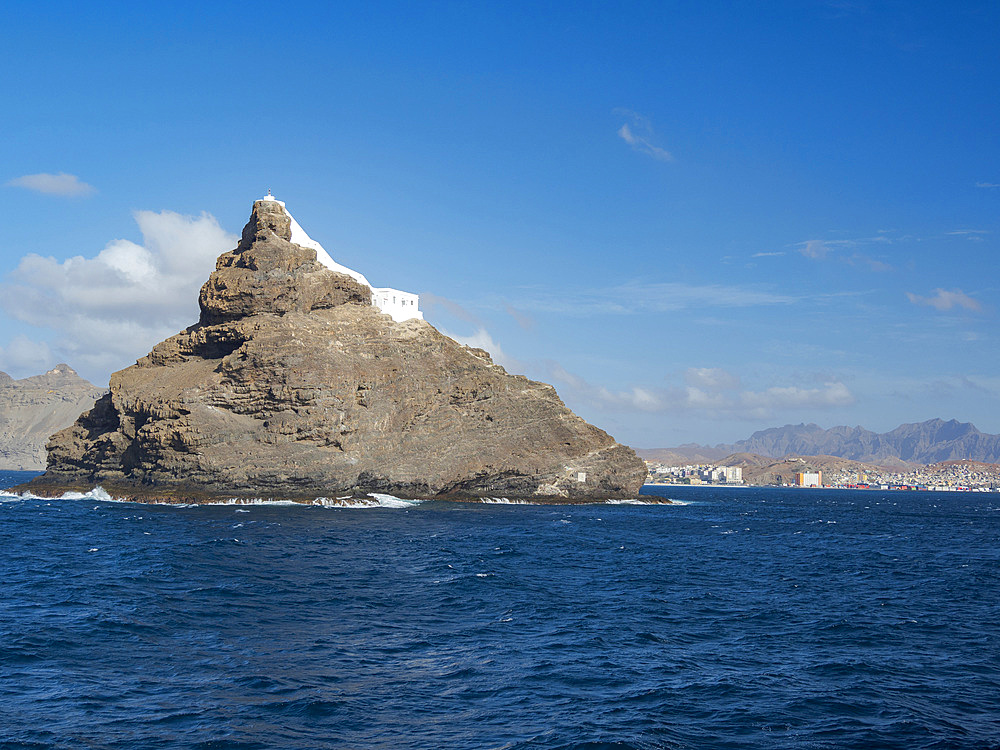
point(695, 219)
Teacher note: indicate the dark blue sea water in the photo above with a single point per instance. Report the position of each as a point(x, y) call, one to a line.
point(747, 618)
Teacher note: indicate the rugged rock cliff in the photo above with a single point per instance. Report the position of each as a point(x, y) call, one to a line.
point(33, 408)
point(292, 385)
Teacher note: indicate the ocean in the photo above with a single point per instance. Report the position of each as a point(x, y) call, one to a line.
point(742, 618)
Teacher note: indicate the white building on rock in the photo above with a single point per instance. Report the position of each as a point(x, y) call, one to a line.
point(400, 305)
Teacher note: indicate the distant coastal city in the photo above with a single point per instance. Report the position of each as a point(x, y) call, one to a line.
point(958, 476)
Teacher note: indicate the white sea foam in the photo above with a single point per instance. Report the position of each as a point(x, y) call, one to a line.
point(98, 493)
point(372, 500)
point(251, 501)
point(504, 501)
point(636, 501)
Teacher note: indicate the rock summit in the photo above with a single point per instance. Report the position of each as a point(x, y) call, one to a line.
point(292, 385)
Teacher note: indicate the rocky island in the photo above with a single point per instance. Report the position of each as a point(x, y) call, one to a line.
point(294, 385)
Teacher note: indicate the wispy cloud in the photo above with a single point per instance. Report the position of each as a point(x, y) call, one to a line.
point(944, 300)
point(638, 133)
point(763, 403)
point(641, 297)
point(858, 259)
point(711, 378)
point(62, 184)
point(432, 302)
point(109, 309)
point(814, 249)
point(768, 255)
point(482, 339)
point(710, 392)
point(822, 249)
point(635, 398)
point(976, 235)
point(525, 321)
point(988, 184)
point(23, 356)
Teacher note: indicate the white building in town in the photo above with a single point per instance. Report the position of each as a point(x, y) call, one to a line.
point(399, 304)
point(722, 474)
point(809, 479)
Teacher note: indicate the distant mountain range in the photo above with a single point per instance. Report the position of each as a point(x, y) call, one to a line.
point(33, 408)
point(922, 442)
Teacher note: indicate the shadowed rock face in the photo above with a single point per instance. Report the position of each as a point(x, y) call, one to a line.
point(292, 385)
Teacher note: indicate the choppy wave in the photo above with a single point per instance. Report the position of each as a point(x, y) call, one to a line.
point(613, 501)
point(244, 501)
point(637, 501)
point(378, 500)
point(99, 494)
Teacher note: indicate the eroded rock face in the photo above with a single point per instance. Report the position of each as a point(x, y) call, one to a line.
point(293, 385)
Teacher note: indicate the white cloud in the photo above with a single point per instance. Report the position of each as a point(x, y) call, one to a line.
point(639, 135)
point(109, 309)
point(68, 185)
point(767, 255)
point(815, 249)
point(23, 357)
point(944, 299)
point(640, 399)
point(635, 398)
point(872, 263)
point(431, 302)
point(642, 297)
point(975, 235)
point(525, 321)
point(987, 185)
point(482, 339)
point(711, 393)
point(698, 399)
point(711, 378)
point(820, 249)
point(763, 403)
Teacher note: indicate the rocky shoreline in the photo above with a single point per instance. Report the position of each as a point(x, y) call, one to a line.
point(180, 495)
